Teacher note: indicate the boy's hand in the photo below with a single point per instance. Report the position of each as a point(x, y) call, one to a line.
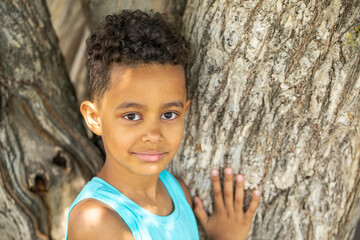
point(228, 221)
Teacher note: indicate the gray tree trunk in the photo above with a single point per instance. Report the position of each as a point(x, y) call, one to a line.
point(275, 89)
point(70, 25)
point(46, 156)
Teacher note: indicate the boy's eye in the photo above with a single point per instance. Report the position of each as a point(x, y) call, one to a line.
point(132, 117)
point(169, 115)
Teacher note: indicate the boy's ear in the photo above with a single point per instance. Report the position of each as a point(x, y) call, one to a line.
point(91, 116)
point(187, 105)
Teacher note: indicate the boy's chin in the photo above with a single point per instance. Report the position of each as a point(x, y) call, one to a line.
point(150, 169)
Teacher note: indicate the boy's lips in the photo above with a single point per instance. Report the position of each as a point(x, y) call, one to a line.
point(150, 156)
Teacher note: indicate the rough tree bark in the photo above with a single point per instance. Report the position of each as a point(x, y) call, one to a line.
point(275, 94)
point(46, 156)
point(69, 23)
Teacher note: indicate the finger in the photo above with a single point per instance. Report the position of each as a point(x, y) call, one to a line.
point(253, 205)
point(200, 212)
point(228, 189)
point(245, 194)
point(218, 196)
point(239, 193)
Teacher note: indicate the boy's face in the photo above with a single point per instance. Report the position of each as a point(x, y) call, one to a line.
point(141, 117)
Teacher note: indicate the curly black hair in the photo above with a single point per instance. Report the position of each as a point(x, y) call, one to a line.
point(132, 38)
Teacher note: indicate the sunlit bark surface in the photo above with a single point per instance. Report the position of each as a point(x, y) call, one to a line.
point(275, 94)
point(70, 25)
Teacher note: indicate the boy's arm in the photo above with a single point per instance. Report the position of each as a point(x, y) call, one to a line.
point(91, 220)
point(228, 221)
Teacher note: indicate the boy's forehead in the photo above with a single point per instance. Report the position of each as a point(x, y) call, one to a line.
point(146, 83)
point(128, 75)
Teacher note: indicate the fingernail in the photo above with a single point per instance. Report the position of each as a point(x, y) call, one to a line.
point(257, 193)
point(228, 171)
point(239, 178)
point(214, 172)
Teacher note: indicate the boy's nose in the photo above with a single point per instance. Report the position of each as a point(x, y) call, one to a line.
point(153, 134)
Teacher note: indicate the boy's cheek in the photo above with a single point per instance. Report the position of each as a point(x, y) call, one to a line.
point(176, 136)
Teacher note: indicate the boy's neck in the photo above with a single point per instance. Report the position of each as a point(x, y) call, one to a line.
point(129, 183)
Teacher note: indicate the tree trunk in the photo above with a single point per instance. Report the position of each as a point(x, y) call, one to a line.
point(46, 156)
point(275, 94)
point(69, 23)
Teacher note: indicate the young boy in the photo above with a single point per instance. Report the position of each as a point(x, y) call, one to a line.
point(137, 105)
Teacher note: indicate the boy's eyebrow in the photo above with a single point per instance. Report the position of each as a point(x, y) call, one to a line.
point(174, 104)
point(138, 105)
point(129, 105)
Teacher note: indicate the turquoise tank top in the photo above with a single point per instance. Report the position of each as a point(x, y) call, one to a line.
point(144, 225)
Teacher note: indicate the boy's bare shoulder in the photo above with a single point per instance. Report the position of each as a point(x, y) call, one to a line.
point(91, 219)
point(185, 190)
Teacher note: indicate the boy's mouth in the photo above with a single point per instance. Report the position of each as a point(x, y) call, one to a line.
point(150, 156)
